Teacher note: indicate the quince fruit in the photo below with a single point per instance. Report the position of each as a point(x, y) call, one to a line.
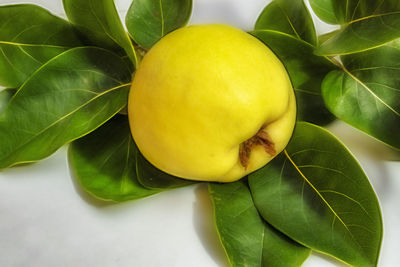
point(211, 103)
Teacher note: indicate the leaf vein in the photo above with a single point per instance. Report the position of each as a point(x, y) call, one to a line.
point(322, 198)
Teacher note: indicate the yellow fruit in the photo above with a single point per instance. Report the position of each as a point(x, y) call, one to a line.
point(211, 103)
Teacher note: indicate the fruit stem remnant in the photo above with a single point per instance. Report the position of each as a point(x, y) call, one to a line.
point(261, 138)
point(140, 52)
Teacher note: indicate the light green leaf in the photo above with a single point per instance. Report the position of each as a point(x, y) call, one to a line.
point(363, 34)
point(153, 178)
point(149, 20)
point(317, 194)
point(288, 16)
point(5, 97)
point(29, 37)
point(101, 24)
point(306, 71)
point(104, 162)
point(68, 97)
point(366, 93)
point(247, 239)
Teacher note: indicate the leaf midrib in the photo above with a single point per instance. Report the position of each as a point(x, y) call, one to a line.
point(162, 18)
point(125, 176)
point(286, 35)
point(289, 21)
point(372, 16)
point(34, 45)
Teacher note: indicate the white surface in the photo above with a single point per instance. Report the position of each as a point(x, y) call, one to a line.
point(47, 221)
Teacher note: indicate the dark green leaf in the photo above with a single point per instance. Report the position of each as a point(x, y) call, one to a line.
point(149, 20)
point(29, 37)
point(363, 34)
point(104, 162)
point(366, 93)
point(153, 178)
point(316, 193)
point(5, 97)
point(100, 22)
point(288, 16)
point(306, 71)
point(247, 239)
point(68, 97)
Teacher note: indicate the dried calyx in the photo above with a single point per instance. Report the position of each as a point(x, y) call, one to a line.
point(262, 139)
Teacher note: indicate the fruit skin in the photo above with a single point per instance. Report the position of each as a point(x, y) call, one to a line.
point(202, 91)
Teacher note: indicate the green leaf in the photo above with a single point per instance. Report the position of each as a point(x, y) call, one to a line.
point(149, 20)
point(104, 162)
point(325, 10)
point(153, 178)
point(29, 37)
point(288, 16)
point(363, 34)
point(366, 92)
point(326, 36)
point(306, 71)
point(68, 97)
point(5, 97)
point(366, 24)
point(100, 22)
point(247, 239)
point(316, 193)
point(343, 11)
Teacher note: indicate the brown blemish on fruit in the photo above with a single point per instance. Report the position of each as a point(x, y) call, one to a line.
point(261, 138)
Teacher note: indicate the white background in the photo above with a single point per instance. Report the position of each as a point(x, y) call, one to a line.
point(46, 220)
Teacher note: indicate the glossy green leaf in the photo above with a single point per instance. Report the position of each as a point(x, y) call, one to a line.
point(149, 20)
point(288, 16)
point(68, 97)
point(29, 37)
point(247, 239)
point(366, 93)
point(5, 97)
point(104, 162)
point(343, 11)
point(101, 24)
point(153, 178)
point(363, 34)
point(306, 71)
point(316, 193)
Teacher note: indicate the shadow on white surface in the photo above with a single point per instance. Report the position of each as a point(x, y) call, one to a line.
point(319, 259)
